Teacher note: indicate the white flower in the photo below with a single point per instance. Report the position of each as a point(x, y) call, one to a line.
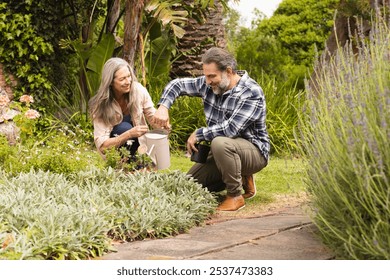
point(130, 142)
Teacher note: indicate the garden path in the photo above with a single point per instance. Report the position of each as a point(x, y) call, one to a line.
point(281, 234)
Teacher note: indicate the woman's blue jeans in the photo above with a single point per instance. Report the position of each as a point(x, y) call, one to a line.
point(122, 127)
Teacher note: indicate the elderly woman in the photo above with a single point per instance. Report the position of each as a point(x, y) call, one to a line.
point(120, 108)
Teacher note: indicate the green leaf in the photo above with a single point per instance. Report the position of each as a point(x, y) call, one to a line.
point(158, 57)
point(101, 53)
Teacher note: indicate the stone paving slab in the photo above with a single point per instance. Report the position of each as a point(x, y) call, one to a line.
point(296, 244)
point(285, 235)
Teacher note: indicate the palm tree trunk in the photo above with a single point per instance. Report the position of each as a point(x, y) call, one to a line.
point(199, 37)
point(114, 13)
point(133, 19)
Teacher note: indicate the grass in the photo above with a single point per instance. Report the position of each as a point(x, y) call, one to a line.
point(282, 176)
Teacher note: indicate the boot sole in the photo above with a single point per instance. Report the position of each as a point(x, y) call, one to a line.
point(232, 210)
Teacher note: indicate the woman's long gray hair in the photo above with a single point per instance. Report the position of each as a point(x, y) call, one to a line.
point(103, 106)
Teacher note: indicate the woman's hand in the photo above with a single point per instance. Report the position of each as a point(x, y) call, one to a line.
point(119, 140)
point(138, 131)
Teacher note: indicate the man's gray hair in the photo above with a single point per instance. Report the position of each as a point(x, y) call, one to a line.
point(222, 58)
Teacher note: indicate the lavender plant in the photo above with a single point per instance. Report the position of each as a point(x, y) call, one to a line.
point(344, 134)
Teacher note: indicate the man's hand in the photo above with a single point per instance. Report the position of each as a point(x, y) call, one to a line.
point(161, 117)
point(191, 143)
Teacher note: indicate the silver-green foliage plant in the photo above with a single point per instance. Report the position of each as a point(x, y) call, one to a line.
point(44, 215)
point(345, 136)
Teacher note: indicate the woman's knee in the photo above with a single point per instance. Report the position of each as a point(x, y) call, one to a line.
point(121, 128)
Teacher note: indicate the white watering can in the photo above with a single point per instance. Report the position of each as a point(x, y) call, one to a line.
point(158, 148)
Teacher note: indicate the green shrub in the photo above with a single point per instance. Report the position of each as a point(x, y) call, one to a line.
point(187, 115)
point(282, 115)
point(5, 149)
point(21, 50)
point(44, 215)
point(345, 136)
point(60, 151)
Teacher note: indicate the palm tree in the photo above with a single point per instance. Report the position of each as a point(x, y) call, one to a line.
point(201, 33)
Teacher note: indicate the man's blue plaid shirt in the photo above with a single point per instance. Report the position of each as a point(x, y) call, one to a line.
point(239, 112)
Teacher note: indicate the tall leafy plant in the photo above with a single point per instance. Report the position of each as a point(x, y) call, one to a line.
point(91, 61)
point(161, 28)
point(283, 103)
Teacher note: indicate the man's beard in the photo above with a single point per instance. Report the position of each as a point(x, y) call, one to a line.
point(223, 85)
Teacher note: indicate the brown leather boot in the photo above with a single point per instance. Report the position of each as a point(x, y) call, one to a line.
point(248, 184)
point(232, 203)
